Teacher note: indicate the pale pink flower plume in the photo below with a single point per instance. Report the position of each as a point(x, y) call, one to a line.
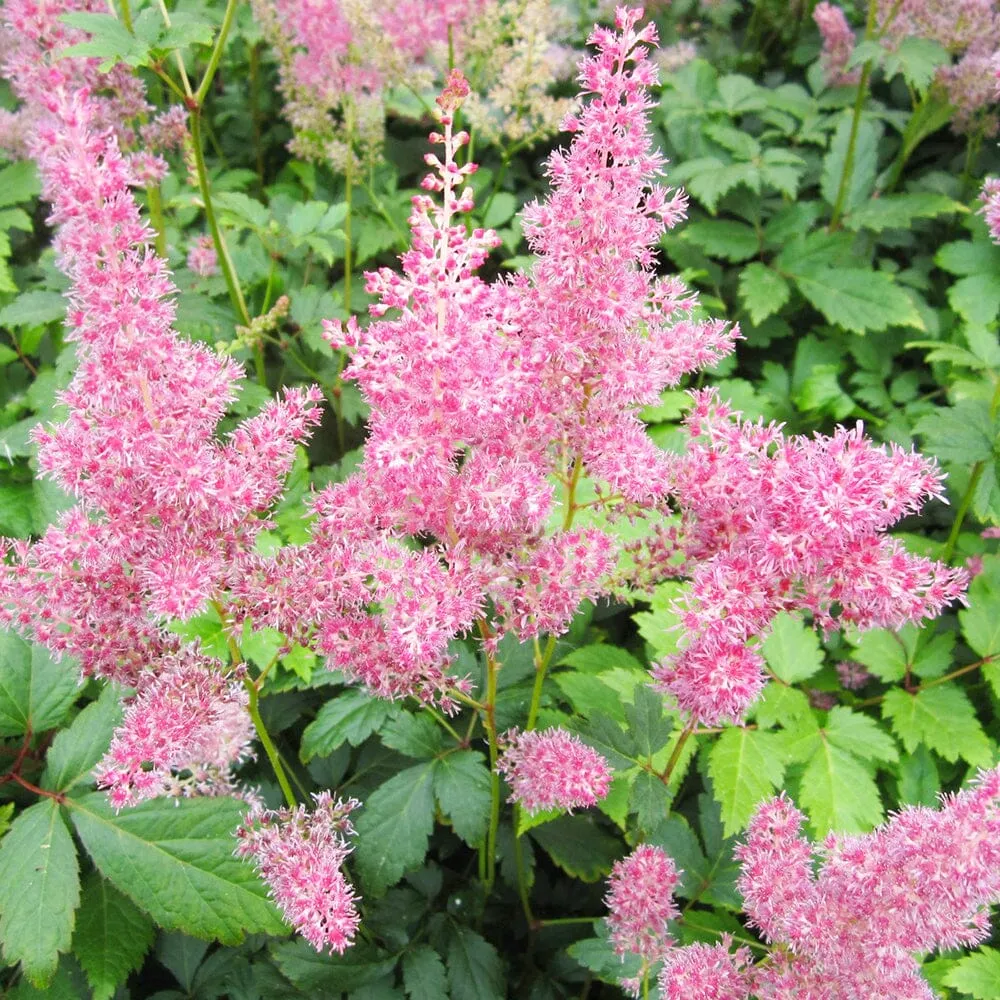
point(552, 770)
point(300, 855)
point(183, 733)
point(640, 902)
point(854, 912)
point(783, 524)
point(202, 257)
point(990, 197)
point(838, 44)
point(707, 972)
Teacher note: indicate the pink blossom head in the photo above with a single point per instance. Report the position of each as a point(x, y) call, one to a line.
point(706, 972)
point(838, 43)
point(641, 904)
point(299, 855)
point(552, 770)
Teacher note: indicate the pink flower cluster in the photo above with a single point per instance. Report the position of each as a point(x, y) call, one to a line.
point(552, 770)
point(779, 524)
point(990, 197)
point(838, 44)
point(846, 919)
point(300, 855)
point(925, 880)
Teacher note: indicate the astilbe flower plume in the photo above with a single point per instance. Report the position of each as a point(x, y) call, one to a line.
point(853, 918)
point(990, 197)
point(552, 770)
point(782, 524)
point(838, 43)
point(640, 902)
point(300, 855)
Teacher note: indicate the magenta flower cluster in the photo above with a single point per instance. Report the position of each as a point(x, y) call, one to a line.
point(845, 918)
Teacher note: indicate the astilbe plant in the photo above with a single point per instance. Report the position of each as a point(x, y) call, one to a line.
point(490, 406)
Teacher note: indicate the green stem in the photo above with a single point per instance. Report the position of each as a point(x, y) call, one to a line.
point(348, 198)
point(490, 724)
point(216, 56)
point(155, 203)
point(522, 873)
point(188, 95)
point(127, 16)
point(443, 723)
point(561, 921)
point(221, 250)
point(255, 112)
point(676, 755)
point(265, 738)
point(859, 104)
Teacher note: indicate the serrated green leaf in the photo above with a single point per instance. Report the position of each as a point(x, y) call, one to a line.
point(650, 800)
point(943, 718)
point(965, 257)
point(39, 890)
point(589, 695)
point(976, 298)
point(883, 653)
point(35, 691)
point(462, 787)
point(394, 828)
point(415, 736)
point(110, 41)
point(838, 793)
point(351, 717)
point(763, 291)
point(424, 974)
point(608, 738)
point(981, 619)
point(780, 705)
point(919, 782)
point(174, 859)
point(977, 974)
point(578, 846)
point(475, 971)
point(319, 975)
point(918, 59)
point(33, 309)
point(858, 299)
point(501, 208)
point(897, 211)
point(599, 657)
point(17, 510)
point(792, 649)
point(647, 725)
point(597, 954)
point(76, 750)
point(112, 936)
point(861, 182)
point(745, 768)
point(732, 241)
point(859, 735)
point(963, 433)
point(18, 182)
point(186, 29)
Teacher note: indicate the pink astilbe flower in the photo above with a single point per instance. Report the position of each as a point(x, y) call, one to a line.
point(165, 511)
point(640, 902)
point(990, 197)
point(300, 855)
point(182, 735)
point(853, 922)
point(707, 972)
point(782, 524)
point(838, 43)
point(552, 770)
point(202, 258)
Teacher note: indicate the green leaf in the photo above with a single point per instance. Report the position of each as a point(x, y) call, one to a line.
point(589, 695)
point(647, 725)
point(33, 309)
point(112, 936)
point(966, 258)
point(462, 787)
point(578, 846)
point(732, 241)
point(918, 59)
point(976, 298)
point(17, 509)
point(861, 182)
point(186, 29)
point(475, 971)
point(650, 800)
point(174, 859)
point(943, 718)
point(394, 828)
point(412, 735)
point(762, 291)
point(745, 768)
point(792, 649)
point(981, 620)
point(110, 41)
point(859, 735)
point(599, 657)
point(76, 750)
point(351, 717)
point(781, 705)
point(35, 691)
point(608, 738)
point(599, 956)
point(18, 182)
point(6, 811)
point(838, 792)
point(39, 890)
point(897, 211)
point(502, 207)
point(423, 974)
point(319, 975)
point(919, 782)
point(977, 974)
point(964, 433)
point(857, 299)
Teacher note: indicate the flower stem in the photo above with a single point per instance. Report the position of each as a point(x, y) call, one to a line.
point(676, 755)
point(154, 202)
point(490, 725)
point(253, 707)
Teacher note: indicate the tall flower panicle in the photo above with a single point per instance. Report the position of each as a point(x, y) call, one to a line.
point(641, 904)
point(707, 972)
point(300, 855)
point(838, 43)
point(782, 524)
point(853, 919)
point(552, 770)
point(990, 197)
